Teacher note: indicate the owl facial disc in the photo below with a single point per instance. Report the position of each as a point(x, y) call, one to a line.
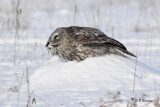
point(55, 39)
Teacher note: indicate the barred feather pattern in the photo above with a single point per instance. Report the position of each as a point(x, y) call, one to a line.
point(79, 43)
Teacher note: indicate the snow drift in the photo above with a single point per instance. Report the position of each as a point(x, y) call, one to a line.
point(96, 74)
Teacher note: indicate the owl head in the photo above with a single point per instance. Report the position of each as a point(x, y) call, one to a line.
point(56, 38)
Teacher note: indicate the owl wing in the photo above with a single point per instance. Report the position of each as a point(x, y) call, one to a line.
point(100, 38)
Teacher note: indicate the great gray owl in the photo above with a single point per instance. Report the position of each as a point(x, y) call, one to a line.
point(79, 43)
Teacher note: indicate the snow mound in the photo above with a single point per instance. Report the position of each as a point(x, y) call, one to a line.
point(72, 84)
point(109, 72)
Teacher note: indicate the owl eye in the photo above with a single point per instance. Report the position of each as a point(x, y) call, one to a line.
point(57, 37)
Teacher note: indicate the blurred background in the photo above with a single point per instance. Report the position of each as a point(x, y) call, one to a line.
point(25, 26)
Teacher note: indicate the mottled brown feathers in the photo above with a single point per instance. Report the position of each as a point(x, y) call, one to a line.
point(79, 43)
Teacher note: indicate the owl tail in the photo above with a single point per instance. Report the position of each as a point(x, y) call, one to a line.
point(127, 52)
point(119, 46)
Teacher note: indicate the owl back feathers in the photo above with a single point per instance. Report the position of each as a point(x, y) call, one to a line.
point(80, 43)
point(92, 37)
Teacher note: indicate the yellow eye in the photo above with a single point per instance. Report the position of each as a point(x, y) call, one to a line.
point(57, 37)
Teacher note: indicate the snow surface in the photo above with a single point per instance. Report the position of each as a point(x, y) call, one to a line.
point(68, 79)
point(94, 82)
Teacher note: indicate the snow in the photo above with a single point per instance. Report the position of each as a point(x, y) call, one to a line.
point(93, 75)
point(96, 81)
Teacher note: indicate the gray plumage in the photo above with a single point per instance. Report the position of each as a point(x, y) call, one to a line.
point(79, 43)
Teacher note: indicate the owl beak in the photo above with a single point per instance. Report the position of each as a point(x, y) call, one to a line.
point(47, 44)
